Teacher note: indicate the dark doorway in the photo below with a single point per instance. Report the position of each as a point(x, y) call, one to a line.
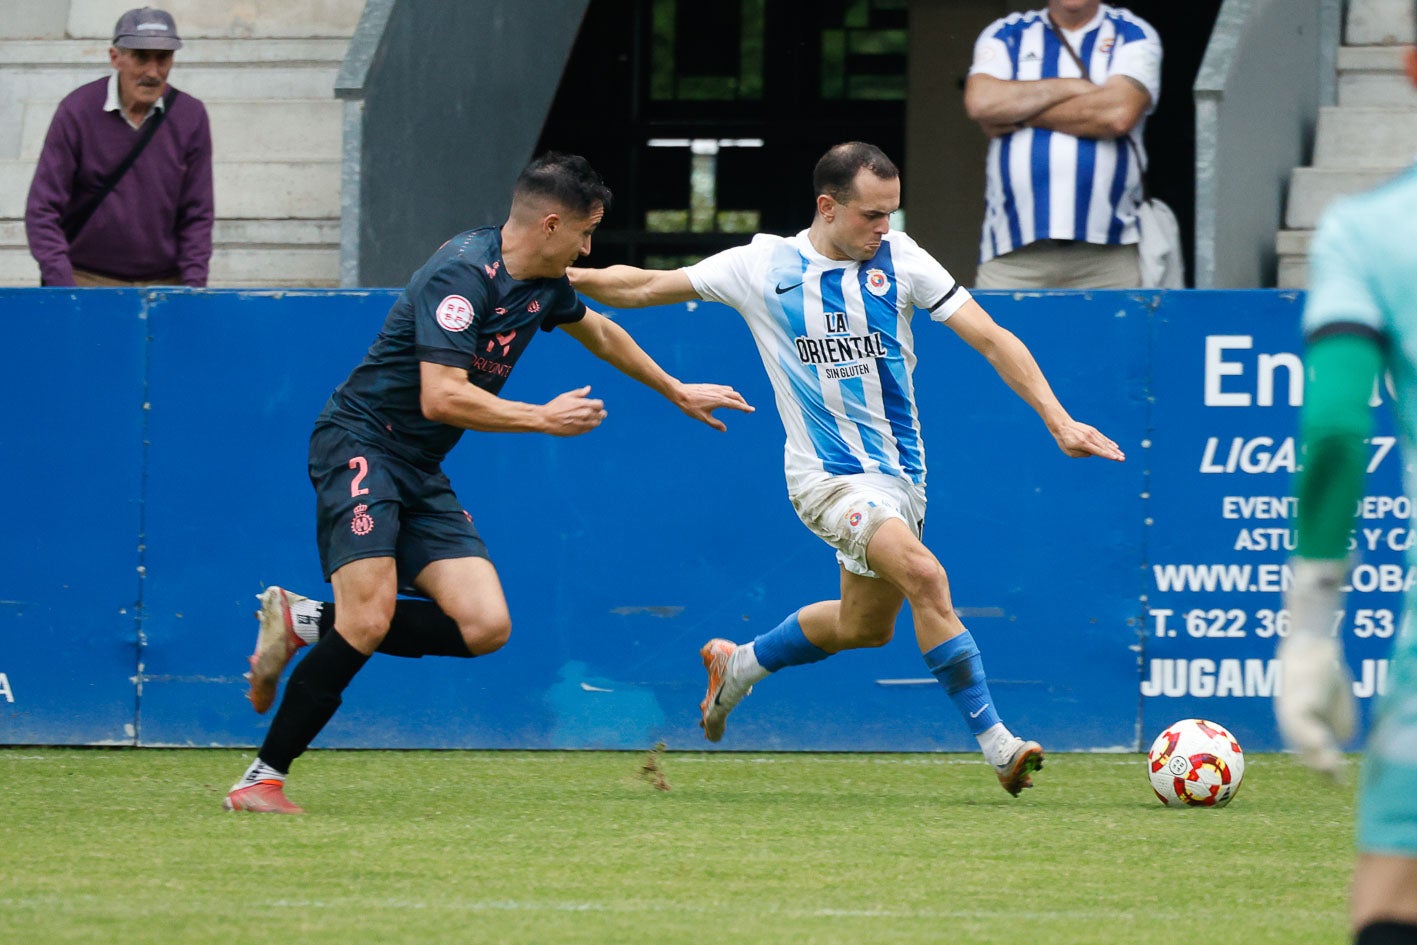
point(762, 87)
point(706, 118)
point(1171, 130)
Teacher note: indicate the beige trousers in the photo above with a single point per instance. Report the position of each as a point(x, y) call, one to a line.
point(92, 280)
point(1062, 264)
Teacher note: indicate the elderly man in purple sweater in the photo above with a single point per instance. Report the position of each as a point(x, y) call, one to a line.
point(154, 227)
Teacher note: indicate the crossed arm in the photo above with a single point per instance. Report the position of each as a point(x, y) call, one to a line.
point(1073, 106)
point(1013, 362)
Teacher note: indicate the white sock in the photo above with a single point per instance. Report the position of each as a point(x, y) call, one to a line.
point(259, 771)
point(305, 618)
point(744, 669)
point(997, 743)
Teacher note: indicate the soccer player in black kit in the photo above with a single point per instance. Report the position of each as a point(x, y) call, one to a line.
point(387, 515)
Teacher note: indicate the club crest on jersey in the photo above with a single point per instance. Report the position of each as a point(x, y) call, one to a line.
point(492, 269)
point(1106, 45)
point(876, 282)
point(363, 522)
point(534, 307)
point(455, 313)
point(504, 340)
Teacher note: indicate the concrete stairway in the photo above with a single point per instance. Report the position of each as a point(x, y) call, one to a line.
point(266, 72)
point(1365, 139)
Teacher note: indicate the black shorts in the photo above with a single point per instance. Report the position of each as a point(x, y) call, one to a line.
point(371, 504)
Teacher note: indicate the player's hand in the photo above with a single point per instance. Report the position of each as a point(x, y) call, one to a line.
point(1079, 439)
point(1314, 704)
point(573, 413)
point(701, 400)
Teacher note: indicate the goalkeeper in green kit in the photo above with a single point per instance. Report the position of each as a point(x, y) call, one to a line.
point(1360, 320)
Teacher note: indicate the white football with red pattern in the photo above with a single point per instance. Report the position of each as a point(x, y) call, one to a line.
point(1195, 763)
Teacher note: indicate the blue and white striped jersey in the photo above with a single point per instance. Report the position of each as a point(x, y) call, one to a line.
point(835, 338)
point(1044, 184)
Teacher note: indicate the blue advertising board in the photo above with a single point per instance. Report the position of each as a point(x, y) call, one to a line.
point(158, 460)
point(72, 474)
point(1221, 463)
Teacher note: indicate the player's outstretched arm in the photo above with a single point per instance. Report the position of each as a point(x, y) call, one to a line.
point(629, 287)
point(448, 397)
point(1016, 365)
point(613, 344)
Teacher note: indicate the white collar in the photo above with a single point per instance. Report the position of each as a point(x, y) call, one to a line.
point(1102, 10)
point(111, 104)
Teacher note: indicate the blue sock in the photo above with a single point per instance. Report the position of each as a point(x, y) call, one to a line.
point(786, 645)
point(956, 663)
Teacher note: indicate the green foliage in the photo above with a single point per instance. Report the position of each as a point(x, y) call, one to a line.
point(131, 847)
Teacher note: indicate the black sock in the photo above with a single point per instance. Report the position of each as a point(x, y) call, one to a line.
point(419, 628)
point(311, 698)
point(1387, 933)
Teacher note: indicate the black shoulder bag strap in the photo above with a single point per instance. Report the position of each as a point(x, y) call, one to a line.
point(73, 221)
point(1082, 67)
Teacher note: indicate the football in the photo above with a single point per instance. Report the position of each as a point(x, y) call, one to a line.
point(1195, 763)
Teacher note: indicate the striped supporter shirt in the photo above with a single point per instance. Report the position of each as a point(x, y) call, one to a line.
point(1044, 184)
point(835, 339)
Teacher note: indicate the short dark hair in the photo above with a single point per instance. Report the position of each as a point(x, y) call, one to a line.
point(835, 174)
point(565, 179)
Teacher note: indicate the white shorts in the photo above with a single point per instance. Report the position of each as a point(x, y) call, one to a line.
point(845, 511)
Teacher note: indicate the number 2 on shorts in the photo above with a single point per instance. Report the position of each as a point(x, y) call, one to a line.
point(362, 464)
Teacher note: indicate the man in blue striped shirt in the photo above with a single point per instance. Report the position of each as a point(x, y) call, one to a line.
point(1062, 94)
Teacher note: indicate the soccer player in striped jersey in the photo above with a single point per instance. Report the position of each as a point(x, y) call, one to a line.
point(1062, 94)
point(1360, 319)
point(830, 311)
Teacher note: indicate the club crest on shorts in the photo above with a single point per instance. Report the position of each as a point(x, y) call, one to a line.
point(363, 522)
point(876, 282)
point(853, 518)
point(454, 313)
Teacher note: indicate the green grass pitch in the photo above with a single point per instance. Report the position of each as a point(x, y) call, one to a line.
point(547, 848)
